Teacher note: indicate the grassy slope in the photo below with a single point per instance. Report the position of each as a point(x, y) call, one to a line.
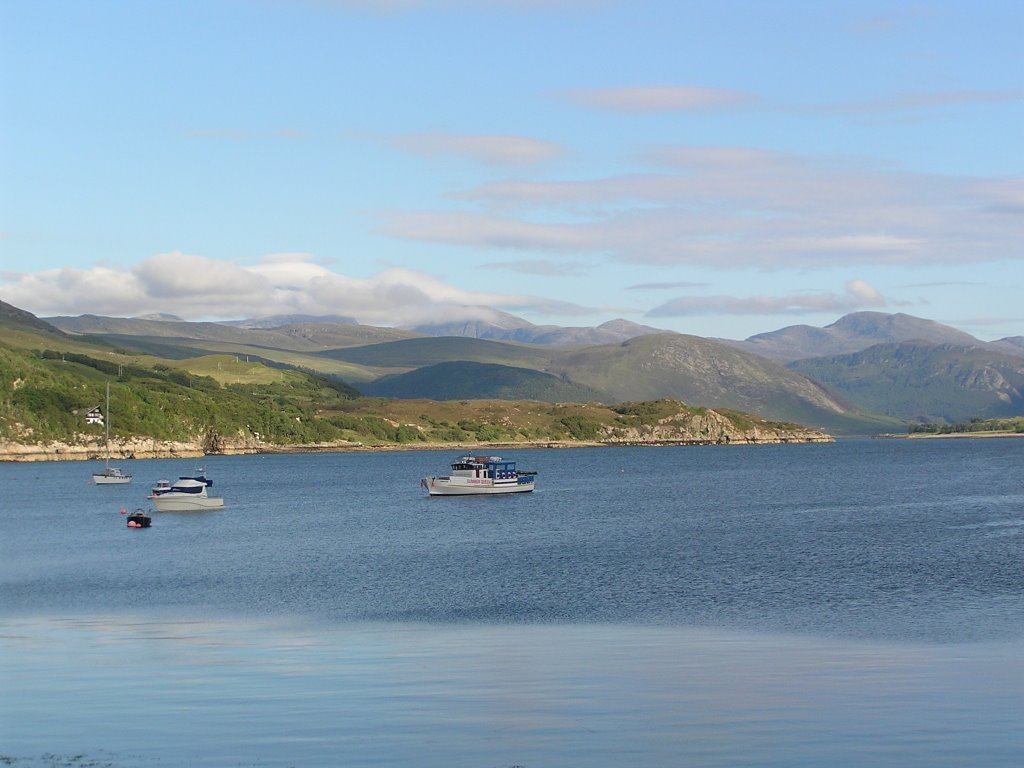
point(177, 349)
point(925, 383)
point(305, 337)
point(415, 353)
point(166, 402)
point(470, 381)
point(40, 394)
point(701, 372)
point(688, 368)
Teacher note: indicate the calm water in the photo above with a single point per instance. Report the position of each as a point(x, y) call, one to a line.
point(856, 604)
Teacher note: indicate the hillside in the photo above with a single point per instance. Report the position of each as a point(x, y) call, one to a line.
point(170, 412)
point(299, 337)
point(12, 318)
point(41, 393)
point(687, 368)
point(925, 383)
point(277, 321)
point(704, 372)
point(743, 375)
point(232, 403)
point(502, 422)
point(850, 333)
point(650, 366)
point(480, 381)
point(1011, 345)
point(486, 323)
point(408, 354)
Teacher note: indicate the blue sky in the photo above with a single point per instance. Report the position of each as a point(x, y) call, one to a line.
point(720, 169)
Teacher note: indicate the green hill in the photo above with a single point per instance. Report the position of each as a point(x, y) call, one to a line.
point(302, 337)
point(698, 371)
point(48, 378)
point(480, 381)
point(851, 333)
point(416, 353)
point(42, 392)
point(925, 383)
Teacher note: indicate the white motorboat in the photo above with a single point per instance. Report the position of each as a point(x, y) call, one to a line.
point(473, 475)
point(109, 475)
point(185, 495)
point(163, 486)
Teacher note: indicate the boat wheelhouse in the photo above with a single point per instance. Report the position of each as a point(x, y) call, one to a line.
point(163, 486)
point(474, 475)
point(185, 495)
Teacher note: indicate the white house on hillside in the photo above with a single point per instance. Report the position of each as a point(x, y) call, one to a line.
point(92, 415)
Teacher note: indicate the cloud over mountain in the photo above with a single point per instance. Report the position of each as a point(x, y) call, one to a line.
point(200, 287)
point(858, 295)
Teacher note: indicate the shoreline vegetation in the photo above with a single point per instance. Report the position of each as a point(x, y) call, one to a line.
point(1012, 426)
point(484, 426)
point(978, 427)
point(56, 451)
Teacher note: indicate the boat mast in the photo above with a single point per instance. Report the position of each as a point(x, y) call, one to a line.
point(106, 423)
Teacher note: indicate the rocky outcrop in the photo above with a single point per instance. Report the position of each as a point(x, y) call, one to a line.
point(683, 428)
point(710, 428)
point(87, 448)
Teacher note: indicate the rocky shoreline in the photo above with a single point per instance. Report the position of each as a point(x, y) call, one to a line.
point(706, 429)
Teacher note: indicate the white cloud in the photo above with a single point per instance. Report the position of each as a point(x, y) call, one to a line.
point(913, 102)
point(544, 267)
point(1002, 195)
point(664, 286)
point(657, 98)
point(489, 149)
point(735, 207)
point(865, 294)
point(178, 276)
point(100, 290)
point(480, 230)
point(858, 295)
point(197, 287)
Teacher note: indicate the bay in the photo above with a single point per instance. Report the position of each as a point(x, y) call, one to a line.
point(860, 603)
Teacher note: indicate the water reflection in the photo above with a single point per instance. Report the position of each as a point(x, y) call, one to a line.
point(275, 693)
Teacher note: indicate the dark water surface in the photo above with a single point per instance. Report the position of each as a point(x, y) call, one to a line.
point(855, 604)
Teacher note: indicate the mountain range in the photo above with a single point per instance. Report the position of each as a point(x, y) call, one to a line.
point(868, 372)
point(851, 333)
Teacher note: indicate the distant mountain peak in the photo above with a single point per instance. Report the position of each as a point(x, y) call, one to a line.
point(851, 333)
point(279, 321)
point(488, 323)
point(162, 317)
point(898, 327)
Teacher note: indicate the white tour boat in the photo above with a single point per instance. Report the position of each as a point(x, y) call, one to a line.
point(109, 475)
point(185, 495)
point(480, 475)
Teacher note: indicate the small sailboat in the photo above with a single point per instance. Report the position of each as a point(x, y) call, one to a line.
point(110, 475)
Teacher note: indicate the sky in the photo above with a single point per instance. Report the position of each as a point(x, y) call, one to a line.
point(720, 169)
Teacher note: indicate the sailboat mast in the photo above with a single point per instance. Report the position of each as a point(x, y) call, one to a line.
point(106, 422)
